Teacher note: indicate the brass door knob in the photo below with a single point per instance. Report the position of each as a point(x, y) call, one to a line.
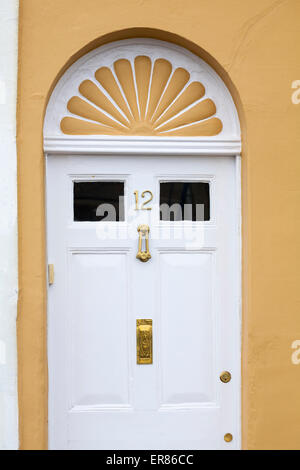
point(228, 437)
point(225, 377)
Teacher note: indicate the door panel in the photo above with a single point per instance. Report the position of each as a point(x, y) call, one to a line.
point(99, 397)
point(99, 329)
point(187, 352)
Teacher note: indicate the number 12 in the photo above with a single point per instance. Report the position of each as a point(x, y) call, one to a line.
point(143, 208)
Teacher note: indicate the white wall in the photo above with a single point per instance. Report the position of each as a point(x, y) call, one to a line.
point(8, 224)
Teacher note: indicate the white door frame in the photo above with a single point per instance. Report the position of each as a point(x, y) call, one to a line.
point(226, 143)
point(144, 149)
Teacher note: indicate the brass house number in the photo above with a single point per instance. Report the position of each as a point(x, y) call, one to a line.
point(144, 342)
point(143, 206)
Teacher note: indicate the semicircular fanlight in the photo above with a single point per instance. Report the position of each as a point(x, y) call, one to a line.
point(144, 97)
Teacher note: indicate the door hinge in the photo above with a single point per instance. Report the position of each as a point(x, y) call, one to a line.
point(50, 274)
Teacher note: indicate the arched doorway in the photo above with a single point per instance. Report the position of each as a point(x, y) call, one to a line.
point(142, 142)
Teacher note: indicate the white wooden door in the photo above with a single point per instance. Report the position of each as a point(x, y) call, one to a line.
point(99, 397)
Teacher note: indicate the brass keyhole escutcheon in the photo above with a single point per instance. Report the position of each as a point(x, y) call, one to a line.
point(228, 437)
point(225, 377)
point(143, 255)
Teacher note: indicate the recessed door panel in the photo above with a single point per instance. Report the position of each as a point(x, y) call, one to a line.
point(187, 331)
point(99, 329)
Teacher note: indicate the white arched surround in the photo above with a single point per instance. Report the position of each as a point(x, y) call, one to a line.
point(228, 141)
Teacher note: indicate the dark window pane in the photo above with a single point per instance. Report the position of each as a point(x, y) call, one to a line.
point(184, 201)
point(99, 200)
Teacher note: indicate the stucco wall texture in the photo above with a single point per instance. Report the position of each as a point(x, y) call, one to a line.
point(255, 45)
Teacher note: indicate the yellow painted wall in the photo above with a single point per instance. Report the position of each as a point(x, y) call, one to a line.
point(255, 42)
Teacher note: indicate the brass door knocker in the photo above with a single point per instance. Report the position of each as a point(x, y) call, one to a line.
point(143, 231)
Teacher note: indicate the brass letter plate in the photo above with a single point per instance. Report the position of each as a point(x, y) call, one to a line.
point(144, 342)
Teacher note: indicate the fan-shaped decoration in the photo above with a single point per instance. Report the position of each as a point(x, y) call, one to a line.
point(141, 98)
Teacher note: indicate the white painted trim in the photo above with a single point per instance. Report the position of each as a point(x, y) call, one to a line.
point(96, 145)
point(238, 179)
